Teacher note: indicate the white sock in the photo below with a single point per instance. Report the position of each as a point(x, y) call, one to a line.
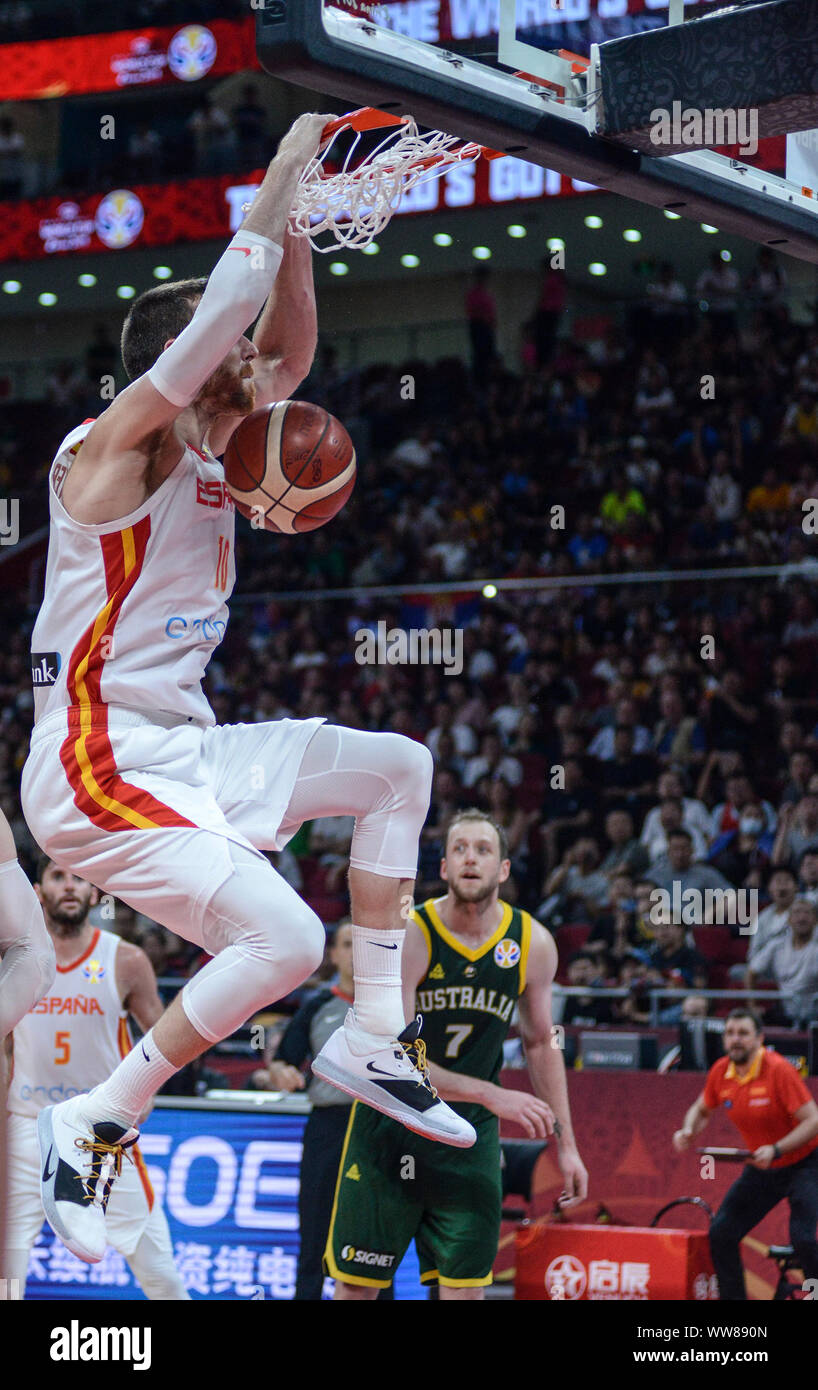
point(129, 1090)
point(376, 958)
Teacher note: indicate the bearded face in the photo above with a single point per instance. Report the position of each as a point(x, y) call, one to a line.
point(66, 900)
point(231, 389)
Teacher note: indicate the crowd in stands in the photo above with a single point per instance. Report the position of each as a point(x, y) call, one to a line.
point(632, 737)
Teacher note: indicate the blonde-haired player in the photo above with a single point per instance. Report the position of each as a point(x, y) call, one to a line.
point(66, 1045)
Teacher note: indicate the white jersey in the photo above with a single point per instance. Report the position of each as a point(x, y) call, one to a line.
point(133, 609)
point(75, 1036)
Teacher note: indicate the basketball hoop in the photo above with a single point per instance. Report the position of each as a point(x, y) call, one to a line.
point(353, 204)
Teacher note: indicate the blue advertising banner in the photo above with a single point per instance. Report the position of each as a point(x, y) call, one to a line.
point(228, 1180)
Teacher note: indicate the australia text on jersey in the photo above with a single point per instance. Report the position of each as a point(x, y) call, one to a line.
point(466, 997)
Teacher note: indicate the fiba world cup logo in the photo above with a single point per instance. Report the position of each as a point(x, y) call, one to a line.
point(506, 953)
point(119, 218)
point(191, 52)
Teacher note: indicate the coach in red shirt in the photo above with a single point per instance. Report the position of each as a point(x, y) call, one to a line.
point(778, 1122)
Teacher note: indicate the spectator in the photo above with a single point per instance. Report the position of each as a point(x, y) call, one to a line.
point(491, 761)
point(251, 127)
point(583, 1010)
point(587, 546)
point(723, 493)
point(797, 830)
point(549, 311)
point(620, 503)
point(717, 291)
point(144, 153)
point(464, 738)
point(677, 866)
point(628, 776)
point(743, 855)
point(767, 284)
point(567, 809)
point(773, 921)
point(618, 931)
point(695, 818)
point(740, 794)
point(626, 716)
point(808, 876)
point(625, 852)
point(213, 138)
point(576, 889)
point(674, 965)
point(670, 819)
point(790, 960)
point(678, 738)
point(771, 495)
point(801, 768)
point(481, 316)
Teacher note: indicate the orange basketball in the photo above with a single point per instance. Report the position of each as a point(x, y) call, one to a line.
point(290, 467)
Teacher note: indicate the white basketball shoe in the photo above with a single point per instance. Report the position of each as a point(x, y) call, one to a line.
point(391, 1076)
point(80, 1161)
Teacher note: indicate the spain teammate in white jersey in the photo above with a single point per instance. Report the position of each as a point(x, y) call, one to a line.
point(70, 1041)
point(27, 963)
point(130, 784)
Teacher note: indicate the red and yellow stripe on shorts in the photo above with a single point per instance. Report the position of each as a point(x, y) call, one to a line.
point(86, 753)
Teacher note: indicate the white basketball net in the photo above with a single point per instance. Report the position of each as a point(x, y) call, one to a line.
point(354, 204)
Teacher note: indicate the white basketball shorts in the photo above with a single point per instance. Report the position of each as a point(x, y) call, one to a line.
point(144, 805)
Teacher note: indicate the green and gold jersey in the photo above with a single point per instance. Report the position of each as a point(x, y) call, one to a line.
point(467, 996)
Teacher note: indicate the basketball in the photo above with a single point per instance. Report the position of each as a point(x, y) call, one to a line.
point(292, 465)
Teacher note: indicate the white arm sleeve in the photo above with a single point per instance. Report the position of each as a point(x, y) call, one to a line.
point(238, 287)
point(28, 966)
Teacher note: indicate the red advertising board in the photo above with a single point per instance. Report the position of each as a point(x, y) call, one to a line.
point(129, 58)
point(619, 1263)
point(199, 209)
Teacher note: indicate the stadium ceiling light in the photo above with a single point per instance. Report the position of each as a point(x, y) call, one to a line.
point(597, 268)
point(410, 261)
point(47, 298)
point(489, 591)
point(338, 268)
point(726, 255)
point(706, 227)
point(481, 253)
point(555, 243)
point(125, 291)
point(517, 230)
point(86, 280)
point(11, 286)
point(162, 272)
point(442, 239)
point(673, 216)
point(372, 249)
point(593, 221)
point(631, 234)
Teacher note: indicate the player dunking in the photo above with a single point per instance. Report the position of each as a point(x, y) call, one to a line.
point(129, 782)
point(63, 1047)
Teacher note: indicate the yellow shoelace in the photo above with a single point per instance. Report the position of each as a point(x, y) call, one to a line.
point(416, 1052)
point(102, 1150)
